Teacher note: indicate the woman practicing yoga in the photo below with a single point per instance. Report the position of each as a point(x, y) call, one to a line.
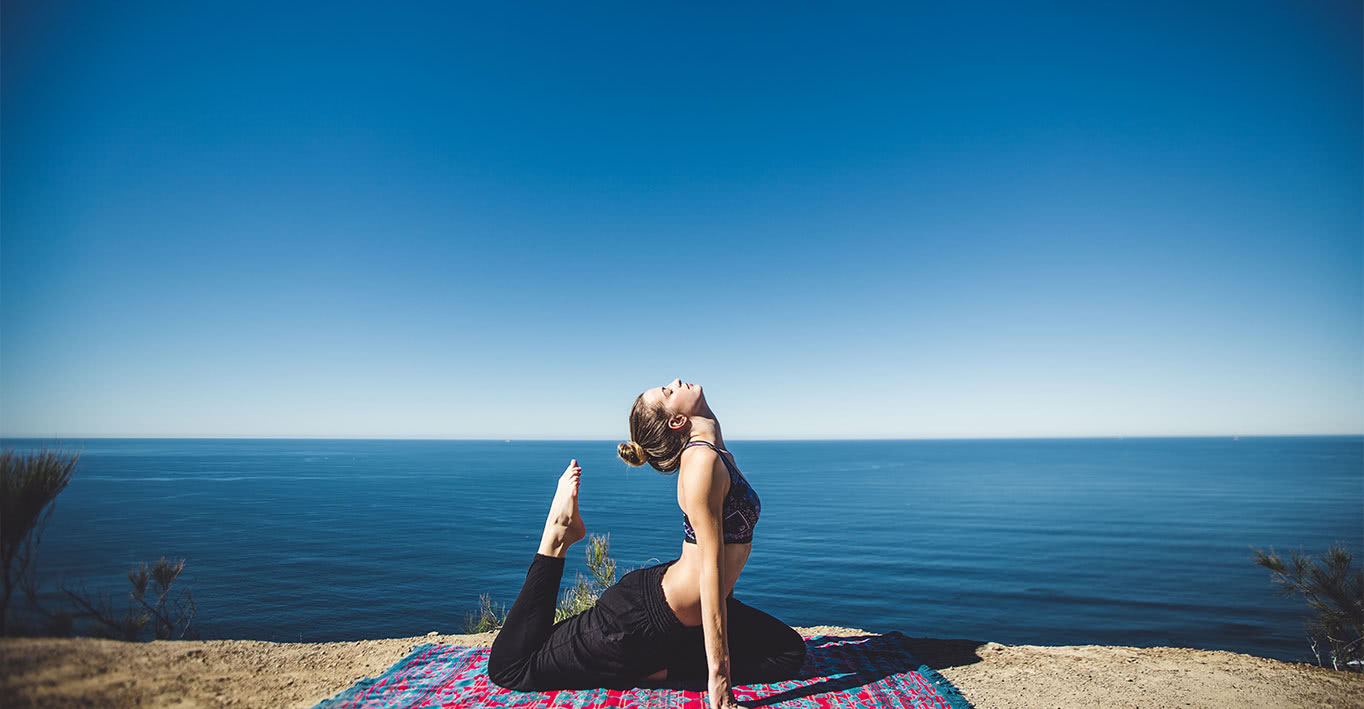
point(675, 620)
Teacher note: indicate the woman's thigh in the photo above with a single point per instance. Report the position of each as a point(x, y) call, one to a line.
point(581, 652)
point(608, 645)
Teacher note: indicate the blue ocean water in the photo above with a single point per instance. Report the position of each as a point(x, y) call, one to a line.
point(1140, 542)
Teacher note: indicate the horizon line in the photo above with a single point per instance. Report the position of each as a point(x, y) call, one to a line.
point(505, 439)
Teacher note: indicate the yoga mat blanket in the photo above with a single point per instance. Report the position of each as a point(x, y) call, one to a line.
point(861, 672)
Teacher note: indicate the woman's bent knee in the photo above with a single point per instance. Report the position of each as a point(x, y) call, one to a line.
point(780, 661)
point(513, 682)
point(792, 656)
point(506, 675)
point(797, 657)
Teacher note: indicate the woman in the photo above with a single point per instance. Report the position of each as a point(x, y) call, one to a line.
point(678, 619)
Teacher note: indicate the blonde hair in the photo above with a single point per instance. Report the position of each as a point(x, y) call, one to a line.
point(632, 453)
point(652, 441)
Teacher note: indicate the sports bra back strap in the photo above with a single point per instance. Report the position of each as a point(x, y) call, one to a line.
point(703, 443)
point(723, 459)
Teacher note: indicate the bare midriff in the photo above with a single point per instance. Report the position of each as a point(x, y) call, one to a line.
point(682, 580)
point(682, 584)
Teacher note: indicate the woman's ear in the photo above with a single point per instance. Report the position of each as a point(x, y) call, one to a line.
point(677, 422)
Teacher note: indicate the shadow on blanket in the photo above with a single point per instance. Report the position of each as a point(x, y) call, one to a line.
point(839, 663)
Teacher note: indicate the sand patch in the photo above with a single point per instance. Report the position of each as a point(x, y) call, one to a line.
point(92, 672)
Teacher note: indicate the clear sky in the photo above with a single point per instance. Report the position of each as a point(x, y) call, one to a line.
point(507, 219)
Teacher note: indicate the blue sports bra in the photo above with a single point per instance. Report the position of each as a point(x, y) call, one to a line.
point(741, 507)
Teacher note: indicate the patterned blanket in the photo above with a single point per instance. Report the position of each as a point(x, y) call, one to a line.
point(864, 672)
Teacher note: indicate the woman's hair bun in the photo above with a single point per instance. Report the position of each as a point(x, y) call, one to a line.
point(632, 453)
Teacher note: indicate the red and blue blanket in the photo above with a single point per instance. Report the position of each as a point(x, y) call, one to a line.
point(861, 672)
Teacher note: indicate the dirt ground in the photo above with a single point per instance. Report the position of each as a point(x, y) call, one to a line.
point(91, 672)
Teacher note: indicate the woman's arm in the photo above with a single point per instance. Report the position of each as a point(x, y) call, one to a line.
point(703, 498)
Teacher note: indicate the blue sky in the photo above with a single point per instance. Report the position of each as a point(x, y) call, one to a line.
point(507, 220)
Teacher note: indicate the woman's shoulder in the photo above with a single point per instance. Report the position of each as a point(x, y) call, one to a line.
point(697, 470)
point(696, 457)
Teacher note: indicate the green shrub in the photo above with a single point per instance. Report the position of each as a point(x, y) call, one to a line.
point(582, 595)
point(170, 617)
point(1335, 591)
point(485, 619)
point(29, 485)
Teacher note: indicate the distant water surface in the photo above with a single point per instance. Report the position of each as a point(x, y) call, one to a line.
point(1088, 541)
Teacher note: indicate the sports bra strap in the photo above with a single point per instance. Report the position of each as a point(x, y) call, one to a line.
point(704, 443)
point(723, 459)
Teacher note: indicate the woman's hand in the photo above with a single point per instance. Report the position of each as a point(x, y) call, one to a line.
point(721, 695)
point(728, 702)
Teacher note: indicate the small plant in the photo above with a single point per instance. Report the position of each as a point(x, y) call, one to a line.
point(1335, 591)
point(582, 595)
point(29, 485)
point(170, 618)
point(486, 619)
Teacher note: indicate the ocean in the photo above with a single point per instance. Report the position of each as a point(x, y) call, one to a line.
point(1140, 541)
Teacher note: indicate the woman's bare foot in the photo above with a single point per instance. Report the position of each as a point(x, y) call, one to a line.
point(564, 527)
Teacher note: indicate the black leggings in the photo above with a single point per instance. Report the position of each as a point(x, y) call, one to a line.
point(628, 635)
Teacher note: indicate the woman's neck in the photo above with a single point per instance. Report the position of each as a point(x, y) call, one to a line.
point(708, 430)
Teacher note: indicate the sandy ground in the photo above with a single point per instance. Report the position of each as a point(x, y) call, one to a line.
point(90, 672)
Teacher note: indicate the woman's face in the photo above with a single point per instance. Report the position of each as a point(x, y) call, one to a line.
point(678, 397)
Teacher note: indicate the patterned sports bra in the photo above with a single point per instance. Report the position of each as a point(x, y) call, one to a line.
point(741, 506)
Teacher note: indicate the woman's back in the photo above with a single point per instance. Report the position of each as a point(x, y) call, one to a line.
point(682, 582)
